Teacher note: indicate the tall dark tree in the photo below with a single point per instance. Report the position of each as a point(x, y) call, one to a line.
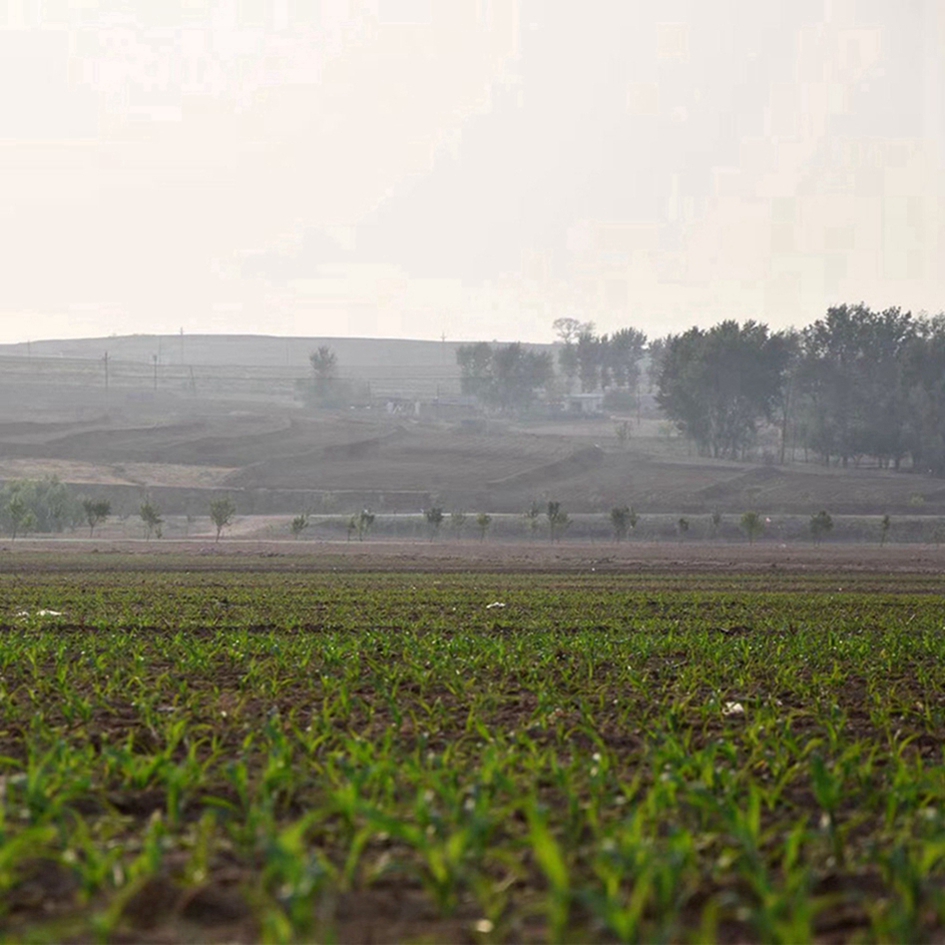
point(475, 368)
point(851, 383)
point(517, 376)
point(923, 373)
point(568, 362)
point(624, 351)
point(507, 377)
point(788, 394)
point(718, 385)
point(655, 352)
point(588, 354)
point(324, 363)
point(96, 512)
point(568, 331)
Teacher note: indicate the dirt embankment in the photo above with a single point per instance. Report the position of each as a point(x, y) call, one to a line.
point(580, 461)
point(303, 466)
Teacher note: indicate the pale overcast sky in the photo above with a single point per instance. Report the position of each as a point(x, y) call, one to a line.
point(467, 168)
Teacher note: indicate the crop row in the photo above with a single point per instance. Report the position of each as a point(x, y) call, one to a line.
point(213, 756)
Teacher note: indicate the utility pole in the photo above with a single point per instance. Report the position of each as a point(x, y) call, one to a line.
point(105, 359)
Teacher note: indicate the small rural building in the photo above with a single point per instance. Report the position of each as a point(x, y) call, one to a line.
point(586, 403)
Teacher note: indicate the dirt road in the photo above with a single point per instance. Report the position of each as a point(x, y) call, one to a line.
point(489, 556)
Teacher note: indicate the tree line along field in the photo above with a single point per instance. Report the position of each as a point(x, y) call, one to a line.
point(216, 755)
point(50, 508)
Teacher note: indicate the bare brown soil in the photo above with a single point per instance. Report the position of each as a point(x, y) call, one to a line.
point(451, 556)
point(124, 474)
point(493, 465)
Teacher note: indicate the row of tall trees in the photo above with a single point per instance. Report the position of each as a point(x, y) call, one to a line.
point(599, 362)
point(506, 377)
point(856, 383)
point(509, 377)
point(852, 385)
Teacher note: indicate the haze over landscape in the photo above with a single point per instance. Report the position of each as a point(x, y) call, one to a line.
point(472, 471)
point(473, 169)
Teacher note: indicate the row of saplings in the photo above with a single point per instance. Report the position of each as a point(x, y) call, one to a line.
point(21, 519)
point(623, 520)
point(435, 516)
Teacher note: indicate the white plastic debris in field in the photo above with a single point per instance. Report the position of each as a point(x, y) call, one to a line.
point(733, 708)
point(25, 614)
point(495, 604)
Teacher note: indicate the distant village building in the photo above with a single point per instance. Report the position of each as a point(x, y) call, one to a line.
point(586, 403)
point(447, 407)
point(403, 407)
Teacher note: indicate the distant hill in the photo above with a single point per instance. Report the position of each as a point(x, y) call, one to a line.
point(228, 364)
point(243, 350)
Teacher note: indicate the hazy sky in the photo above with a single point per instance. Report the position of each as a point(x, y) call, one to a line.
point(473, 168)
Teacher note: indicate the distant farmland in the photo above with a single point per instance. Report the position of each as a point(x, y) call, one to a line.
point(233, 422)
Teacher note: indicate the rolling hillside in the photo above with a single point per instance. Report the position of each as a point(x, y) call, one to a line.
point(243, 431)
